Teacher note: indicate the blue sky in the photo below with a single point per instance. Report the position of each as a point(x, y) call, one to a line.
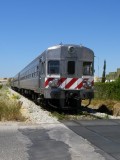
point(28, 27)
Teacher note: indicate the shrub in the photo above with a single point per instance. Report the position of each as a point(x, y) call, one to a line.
point(10, 110)
point(109, 90)
point(9, 107)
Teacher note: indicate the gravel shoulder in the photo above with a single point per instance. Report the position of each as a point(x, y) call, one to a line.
point(34, 113)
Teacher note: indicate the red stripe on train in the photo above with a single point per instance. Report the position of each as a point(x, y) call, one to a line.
point(71, 83)
point(92, 83)
point(61, 81)
point(79, 86)
point(47, 81)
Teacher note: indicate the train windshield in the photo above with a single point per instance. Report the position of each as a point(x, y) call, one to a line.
point(53, 67)
point(87, 68)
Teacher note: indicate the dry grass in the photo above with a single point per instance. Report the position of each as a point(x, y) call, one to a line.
point(96, 104)
point(9, 107)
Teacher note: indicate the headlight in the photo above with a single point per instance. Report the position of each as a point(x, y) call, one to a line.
point(89, 84)
point(54, 83)
point(71, 49)
point(85, 85)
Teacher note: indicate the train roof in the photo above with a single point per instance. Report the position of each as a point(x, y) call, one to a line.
point(55, 47)
point(67, 45)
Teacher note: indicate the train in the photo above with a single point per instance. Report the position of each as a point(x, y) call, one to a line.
point(61, 76)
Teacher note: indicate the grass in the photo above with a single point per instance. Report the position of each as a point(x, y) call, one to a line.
point(59, 116)
point(72, 116)
point(106, 106)
point(98, 102)
point(9, 106)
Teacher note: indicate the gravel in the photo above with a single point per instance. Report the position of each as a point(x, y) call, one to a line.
point(104, 116)
point(34, 113)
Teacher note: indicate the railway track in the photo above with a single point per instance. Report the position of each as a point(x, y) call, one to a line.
point(38, 111)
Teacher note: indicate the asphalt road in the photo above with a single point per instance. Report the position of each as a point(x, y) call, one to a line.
point(61, 141)
point(103, 134)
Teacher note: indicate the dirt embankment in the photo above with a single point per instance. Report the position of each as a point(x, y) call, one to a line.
point(105, 106)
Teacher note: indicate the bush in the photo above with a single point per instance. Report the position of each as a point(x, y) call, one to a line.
point(109, 90)
point(9, 110)
point(9, 107)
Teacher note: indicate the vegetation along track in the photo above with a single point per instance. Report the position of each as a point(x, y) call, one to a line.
point(18, 108)
point(9, 106)
point(97, 110)
point(102, 109)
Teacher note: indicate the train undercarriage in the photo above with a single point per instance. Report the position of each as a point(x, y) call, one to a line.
point(71, 100)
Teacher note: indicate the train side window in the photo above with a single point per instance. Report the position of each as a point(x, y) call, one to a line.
point(87, 68)
point(71, 67)
point(53, 67)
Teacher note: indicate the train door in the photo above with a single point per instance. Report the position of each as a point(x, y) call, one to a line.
point(71, 73)
point(41, 75)
point(68, 68)
point(71, 68)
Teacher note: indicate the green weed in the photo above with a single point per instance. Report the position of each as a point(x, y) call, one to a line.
point(9, 107)
point(15, 96)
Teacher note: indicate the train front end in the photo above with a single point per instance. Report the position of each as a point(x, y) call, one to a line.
point(69, 77)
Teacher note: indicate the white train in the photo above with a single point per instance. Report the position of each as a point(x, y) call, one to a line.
point(62, 76)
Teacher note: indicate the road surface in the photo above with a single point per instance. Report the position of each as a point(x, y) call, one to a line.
point(61, 141)
point(103, 134)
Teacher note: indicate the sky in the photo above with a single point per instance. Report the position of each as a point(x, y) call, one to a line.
point(28, 27)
